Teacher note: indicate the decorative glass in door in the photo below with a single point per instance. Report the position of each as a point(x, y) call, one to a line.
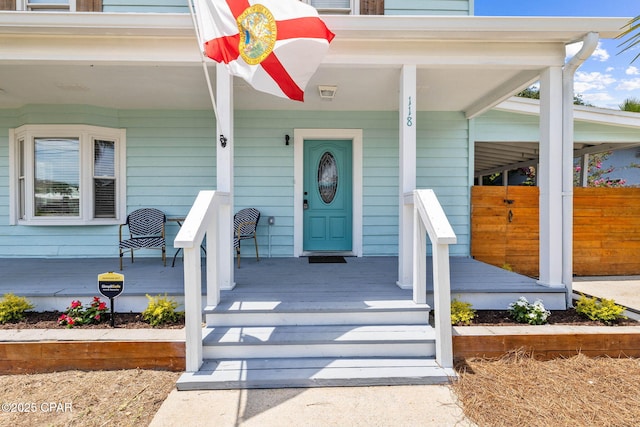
point(327, 177)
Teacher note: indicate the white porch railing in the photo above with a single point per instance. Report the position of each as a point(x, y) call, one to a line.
point(430, 220)
point(203, 219)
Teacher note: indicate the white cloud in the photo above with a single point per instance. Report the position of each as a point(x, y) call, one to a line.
point(632, 71)
point(609, 69)
point(592, 81)
point(600, 54)
point(601, 99)
point(629, 84)
point(597, 97)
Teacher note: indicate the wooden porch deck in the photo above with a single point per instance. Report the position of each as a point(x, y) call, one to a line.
point(52, 283)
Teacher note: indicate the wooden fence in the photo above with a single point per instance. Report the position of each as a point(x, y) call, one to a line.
point(606, 229)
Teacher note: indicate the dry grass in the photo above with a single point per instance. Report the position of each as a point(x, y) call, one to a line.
point(513, 391)
point(518, 390)
point(78, 398)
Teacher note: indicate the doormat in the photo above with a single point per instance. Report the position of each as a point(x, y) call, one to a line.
point(327, 260)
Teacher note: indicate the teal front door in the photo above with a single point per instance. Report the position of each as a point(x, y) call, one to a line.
point(327, 197)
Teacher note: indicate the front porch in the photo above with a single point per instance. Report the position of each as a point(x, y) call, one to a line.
point(289, 322)
point(51, 284)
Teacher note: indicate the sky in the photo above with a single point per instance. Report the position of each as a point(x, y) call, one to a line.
point(608, 77)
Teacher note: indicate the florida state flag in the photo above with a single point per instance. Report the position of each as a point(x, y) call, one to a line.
point(275, 45)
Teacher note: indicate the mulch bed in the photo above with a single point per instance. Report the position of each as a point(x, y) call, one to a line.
point(49, 320)
point(559, 317)
point(518, 390)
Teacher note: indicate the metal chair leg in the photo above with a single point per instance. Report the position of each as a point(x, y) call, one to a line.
point(256, 242)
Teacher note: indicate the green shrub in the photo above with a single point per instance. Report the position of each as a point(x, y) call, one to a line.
point(77, 315)
point(12, 308)
point(524, 312)
point(161, 310)
point(605, 310)
point(461, 313)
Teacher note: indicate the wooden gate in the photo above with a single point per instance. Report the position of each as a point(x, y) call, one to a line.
point(504, 227)
point(606, 229)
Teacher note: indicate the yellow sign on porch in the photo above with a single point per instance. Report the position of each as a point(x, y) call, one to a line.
point(110, 284)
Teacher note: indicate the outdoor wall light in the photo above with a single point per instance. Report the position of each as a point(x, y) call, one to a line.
point(327, 92)
point(223, 141)
point(286, 139)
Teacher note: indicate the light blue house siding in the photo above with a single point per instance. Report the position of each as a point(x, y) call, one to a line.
point(428, 7)
point(512, 127)
point(171, 156)
point(141, 6)
point(391, 7)
point(443, 165)
point(264, 172)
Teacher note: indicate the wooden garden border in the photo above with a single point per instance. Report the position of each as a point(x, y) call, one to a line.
point(468, 342)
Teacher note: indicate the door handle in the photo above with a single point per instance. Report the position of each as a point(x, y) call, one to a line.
point(510, 215)
point(305, 204)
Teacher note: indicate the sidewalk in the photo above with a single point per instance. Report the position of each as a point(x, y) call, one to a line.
point(421, 405)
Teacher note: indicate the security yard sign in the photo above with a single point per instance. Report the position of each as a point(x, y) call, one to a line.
point(111, 285)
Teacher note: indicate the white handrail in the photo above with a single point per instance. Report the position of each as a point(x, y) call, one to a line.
point(202, 220)
point(430, 220)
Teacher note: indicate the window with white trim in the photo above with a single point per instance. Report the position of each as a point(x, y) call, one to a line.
point(47, 5)
point(335, 6)
point(67, 175)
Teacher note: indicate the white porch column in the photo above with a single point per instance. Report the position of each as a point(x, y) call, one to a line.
point(224, 176)
point(550, 177)
point(407, 173)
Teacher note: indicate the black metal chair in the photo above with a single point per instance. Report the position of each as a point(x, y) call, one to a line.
point(146, 231)
point(245, 223)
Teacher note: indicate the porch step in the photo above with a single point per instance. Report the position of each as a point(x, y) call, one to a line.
point(266, 312)
point(318, 341)
point(314, 372)
point(262, 341)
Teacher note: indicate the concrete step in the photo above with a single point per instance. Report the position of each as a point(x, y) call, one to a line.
point(256, 313)
point(314, 372)
point(318, 341)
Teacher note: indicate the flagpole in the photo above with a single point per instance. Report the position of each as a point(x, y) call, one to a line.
point(204, 66)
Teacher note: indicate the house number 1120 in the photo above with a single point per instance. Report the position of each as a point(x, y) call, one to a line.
point(409, 118)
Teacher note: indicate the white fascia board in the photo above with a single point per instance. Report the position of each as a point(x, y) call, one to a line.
point(364, 27)
point(581, 113)
point(552, 29)
point(434, 53)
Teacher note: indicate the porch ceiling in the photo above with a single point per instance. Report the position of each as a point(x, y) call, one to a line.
point(117, 61)
point(495, 157)
point(171, 86)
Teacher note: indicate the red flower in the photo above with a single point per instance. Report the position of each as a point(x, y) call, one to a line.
point(102, 306)
point(76, 304)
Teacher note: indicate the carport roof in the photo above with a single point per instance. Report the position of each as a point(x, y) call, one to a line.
point(497, 156)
